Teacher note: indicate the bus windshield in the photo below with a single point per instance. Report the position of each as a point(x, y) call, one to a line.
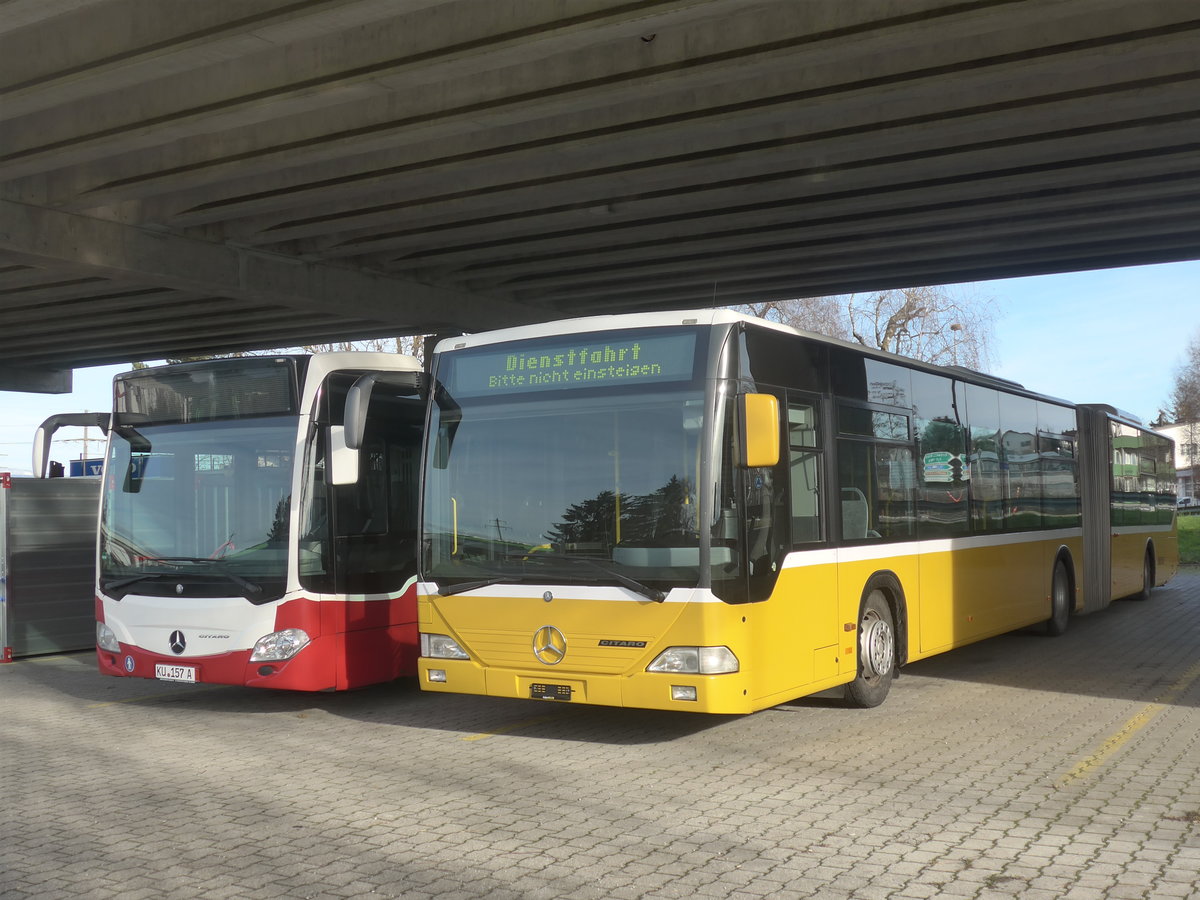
point(566, 489)
point(199, 508)
point(569, 459)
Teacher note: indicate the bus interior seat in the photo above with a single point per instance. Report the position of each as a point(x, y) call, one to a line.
point(805, 529)
point(855, 513)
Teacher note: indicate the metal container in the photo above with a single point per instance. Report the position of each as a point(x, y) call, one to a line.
point(47, 564)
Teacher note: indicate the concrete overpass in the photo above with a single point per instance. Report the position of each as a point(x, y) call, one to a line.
point(184, 177)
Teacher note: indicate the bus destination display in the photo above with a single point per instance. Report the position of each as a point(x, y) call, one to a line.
point(586, 361)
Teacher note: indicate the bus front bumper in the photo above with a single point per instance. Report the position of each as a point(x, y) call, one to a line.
point(727, 694)
point(307, 671)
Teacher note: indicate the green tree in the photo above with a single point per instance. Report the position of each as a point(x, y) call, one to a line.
point(588, 521)
point(1184, 404)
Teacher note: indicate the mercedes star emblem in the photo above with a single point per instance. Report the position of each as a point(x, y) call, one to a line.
point(178, 644)
point(549, 645)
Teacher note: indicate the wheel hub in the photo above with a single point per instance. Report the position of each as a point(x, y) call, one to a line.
point(877, 646)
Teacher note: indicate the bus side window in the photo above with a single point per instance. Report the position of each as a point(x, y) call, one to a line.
point(1023, 494)
point(876, 480)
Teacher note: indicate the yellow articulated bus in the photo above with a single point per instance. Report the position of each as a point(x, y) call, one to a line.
point(704, 511)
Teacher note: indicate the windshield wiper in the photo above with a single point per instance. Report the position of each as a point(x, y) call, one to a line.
point(624, 580)
point(201, 560)
point(247, 586)
point(125, 582)
point(472, 585)
point(633, 584)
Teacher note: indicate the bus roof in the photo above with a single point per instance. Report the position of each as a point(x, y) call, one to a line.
point(720, 316)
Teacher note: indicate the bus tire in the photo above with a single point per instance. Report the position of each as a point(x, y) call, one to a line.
point(1147, 575)
point(1060, 600)
point(876, 653)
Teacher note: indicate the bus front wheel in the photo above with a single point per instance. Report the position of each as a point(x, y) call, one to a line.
point(876, 653)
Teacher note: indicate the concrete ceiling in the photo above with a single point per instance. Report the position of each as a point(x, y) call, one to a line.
point(180, 177)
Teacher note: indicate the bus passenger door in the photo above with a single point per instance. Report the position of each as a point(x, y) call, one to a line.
point(814, 581)
point(802, 613)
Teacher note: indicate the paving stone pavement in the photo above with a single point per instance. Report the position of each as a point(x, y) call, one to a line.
point(1024, 766)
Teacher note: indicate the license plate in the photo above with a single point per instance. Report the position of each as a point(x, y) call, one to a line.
point(550, 691)
point(175, 673)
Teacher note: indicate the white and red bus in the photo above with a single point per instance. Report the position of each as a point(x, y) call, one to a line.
point(246, 537)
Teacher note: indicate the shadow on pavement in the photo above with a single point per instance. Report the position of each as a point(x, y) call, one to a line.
point(1131, 651)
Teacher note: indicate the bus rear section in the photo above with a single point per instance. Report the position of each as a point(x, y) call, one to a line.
point(1129, 506)
point(242, 542)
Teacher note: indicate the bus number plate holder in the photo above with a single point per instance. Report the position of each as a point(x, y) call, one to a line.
point(543, 691)
point(185, 674)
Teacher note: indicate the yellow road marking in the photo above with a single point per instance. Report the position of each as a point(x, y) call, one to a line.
point(1132, 726)
point(505, 729)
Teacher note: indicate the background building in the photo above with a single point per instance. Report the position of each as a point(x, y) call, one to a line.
point(1187, 457)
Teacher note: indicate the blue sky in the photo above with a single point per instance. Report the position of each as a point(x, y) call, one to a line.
point(1111, 336)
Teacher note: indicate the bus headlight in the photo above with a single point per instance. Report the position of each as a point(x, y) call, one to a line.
point(441, 646)
point(695, 661)
point(105, 639)
point(279, 646)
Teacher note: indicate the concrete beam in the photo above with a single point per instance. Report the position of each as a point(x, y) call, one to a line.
point(38, 236)
point(952, 265)
point(803, 110)
point(431, 45)
point(589, 84)
point(718, 206)
point(1017, 237)
point(35, 380)
point(124, 44)
point(24, 13)
point(1070, 204)
point(231, 339)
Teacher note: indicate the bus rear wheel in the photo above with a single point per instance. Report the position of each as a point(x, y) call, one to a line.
point(876, 653)
point(1060, 601)
point(1147, 576)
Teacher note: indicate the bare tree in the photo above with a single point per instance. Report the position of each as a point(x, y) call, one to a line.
point(410, 345)
point(935, 324)
point(822, 315)
point(1185, 394)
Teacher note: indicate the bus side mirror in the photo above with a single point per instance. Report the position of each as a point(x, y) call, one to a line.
point(358, 399)
point(758, 418)
point(343, 459)
point(45, 431)
point(346, 440)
